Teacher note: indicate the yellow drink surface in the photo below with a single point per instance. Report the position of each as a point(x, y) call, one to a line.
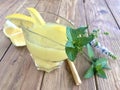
point(48, 48)
point(49, 54)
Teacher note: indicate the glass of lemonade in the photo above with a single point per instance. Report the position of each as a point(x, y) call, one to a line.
point(46, 43)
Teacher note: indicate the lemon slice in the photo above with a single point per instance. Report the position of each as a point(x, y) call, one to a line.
point(18, 39)
point(14, 33)
point(36, 16)
point(55, 35)
point(21, 20)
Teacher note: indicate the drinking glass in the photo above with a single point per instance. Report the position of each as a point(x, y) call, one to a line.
point(47, 54)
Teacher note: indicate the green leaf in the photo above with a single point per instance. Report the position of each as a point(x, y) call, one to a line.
point(90, 51)
point(101, 61)
point(81, 30)
point(100, 72)
point(82, 41)
point(90, 72)
point(75, 43)
point(71, 53)
point(106, 33)
point(69, 44)
point(106, 67)
point(71, 35)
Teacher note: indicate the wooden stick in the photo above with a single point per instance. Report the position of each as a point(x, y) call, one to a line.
point(74, 72)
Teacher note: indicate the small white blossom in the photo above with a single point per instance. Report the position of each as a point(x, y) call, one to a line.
point(102, 49)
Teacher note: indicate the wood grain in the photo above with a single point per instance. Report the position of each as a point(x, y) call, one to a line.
point(7, 4)
point(114, 6)
point(99, 16)
point(4, 44)
point(18, 71)
point(11, 7)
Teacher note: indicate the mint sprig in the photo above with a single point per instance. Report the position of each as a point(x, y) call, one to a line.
point(97, 66)
point(76, 41)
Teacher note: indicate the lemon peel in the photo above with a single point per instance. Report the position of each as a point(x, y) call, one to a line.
point(36, 16)
point(21, 20)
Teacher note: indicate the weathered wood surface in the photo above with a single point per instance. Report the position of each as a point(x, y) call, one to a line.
point(99, 16)
point(17, 70)
point(114, 6)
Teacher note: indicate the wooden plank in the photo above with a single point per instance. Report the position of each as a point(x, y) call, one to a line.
point(6, 4)
point(99, 16)
point(26, 4)
point(114, 6)
point(18, 71)
point(4, 44)
point(61, 79)
point(11, 8)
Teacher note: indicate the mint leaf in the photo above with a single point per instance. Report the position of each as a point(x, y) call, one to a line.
point(90, 72)
point(81, 30)
point(100, 72)
point(106, 67)
point(71, 35)
point(102, 62)
point(71, 53)
point(82, 41)
point(70, 44)
point(90, 51)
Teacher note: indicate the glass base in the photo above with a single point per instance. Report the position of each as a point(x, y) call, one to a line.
point(46, 70)
point(47, 66)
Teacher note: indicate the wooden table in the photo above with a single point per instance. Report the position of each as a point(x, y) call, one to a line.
point(17, 70)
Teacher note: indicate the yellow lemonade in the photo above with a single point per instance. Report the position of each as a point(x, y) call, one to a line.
point(47, 45)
